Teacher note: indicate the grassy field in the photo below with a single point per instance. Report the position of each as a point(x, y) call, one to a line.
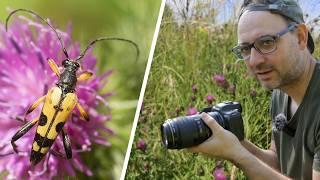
point(184, 71)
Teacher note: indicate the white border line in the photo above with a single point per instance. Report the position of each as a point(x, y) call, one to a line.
point(146, 75)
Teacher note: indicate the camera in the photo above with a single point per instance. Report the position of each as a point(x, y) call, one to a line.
point(186, 131)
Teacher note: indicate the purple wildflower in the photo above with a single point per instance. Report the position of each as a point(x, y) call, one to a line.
point(210, 99)
point(192, 111)
point(24, 77)
point(220, 80)
point(219, 174)
point(142, 145)
point(194, 88)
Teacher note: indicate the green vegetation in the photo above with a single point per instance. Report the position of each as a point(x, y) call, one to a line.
point(188, 56)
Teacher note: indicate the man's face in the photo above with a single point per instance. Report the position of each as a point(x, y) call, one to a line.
point(276, 69)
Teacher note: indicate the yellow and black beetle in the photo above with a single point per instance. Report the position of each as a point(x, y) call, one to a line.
point(58, 102)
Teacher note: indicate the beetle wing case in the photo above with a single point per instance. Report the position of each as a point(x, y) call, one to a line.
point(56, 109)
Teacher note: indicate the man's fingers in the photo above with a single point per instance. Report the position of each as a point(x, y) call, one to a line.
point(214, 126)
point(198, 148)
point(212, 123)
point(194, 149)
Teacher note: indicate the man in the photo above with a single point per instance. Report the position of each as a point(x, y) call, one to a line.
point(277, 49)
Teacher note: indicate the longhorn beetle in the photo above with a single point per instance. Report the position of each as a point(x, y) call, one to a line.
point(58, 102)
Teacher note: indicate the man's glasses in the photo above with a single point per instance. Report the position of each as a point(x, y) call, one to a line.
point(264, 44)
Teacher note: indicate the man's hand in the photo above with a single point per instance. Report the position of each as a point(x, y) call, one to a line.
point(224, 144)
point(221, 144)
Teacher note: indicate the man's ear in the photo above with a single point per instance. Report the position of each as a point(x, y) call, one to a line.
point(302, 33)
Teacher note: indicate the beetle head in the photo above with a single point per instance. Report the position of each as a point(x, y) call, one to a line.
point(70, 64)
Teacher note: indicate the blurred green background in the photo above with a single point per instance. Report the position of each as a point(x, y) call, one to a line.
point(134, 20)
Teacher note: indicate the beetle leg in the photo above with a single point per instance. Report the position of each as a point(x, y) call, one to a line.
point(83, 113)
point(67, 144)
point(85, 76)
point(35, 105)
point(61, 155)
point(22, 131)
point(54, 67)
point(57, 154)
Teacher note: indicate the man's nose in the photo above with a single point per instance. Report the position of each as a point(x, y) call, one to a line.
point(255, 58)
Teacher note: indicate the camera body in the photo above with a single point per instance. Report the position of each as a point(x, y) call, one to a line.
point(187, 131)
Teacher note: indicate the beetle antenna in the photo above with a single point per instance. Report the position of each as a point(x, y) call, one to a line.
point(109, 39)
point(45, 21)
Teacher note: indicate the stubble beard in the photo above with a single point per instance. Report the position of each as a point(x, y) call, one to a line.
point(288, 78)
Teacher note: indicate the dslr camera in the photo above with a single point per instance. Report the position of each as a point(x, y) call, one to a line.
point(186, 131)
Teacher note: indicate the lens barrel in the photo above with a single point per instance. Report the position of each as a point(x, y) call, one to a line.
point(187, 131)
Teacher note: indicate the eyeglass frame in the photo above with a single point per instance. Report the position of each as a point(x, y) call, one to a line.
point(289, 28)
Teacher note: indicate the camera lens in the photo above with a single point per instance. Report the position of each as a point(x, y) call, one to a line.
point(187, 131)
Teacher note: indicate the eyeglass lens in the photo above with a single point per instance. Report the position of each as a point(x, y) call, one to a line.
point(264, 45)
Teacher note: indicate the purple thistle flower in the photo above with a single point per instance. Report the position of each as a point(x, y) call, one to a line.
point(219, 174)
point(142, 145)
point(220, 80)
point(218, 171)
point(24, 77)
point(192, 111)
point(210, 99)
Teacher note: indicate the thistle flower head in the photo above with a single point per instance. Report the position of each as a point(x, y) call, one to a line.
point(192, 111)
point(142, 145)
point(210, 98)
point(220, 80)
point(219, 174)
point(218, 171)
point(24, 77)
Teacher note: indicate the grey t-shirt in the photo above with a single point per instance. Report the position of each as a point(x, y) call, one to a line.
point(298, 148)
